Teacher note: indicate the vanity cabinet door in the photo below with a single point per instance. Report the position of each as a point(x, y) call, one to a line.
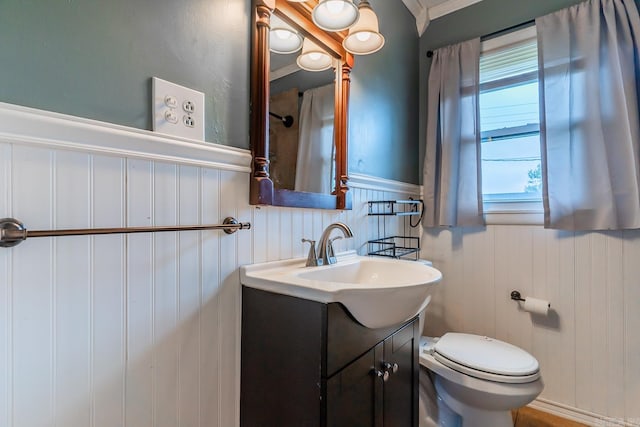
point(379, 389)
point(400, 407)
point(281, 362)
point(309, 364)
point(354, 395)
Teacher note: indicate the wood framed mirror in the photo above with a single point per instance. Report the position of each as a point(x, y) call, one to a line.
point(262, 188)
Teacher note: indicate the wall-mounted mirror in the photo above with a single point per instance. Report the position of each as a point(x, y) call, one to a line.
point(298, 117)
point(302, 111)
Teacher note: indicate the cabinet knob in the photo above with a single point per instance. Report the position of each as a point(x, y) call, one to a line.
point(393, 367)
point(381, 374)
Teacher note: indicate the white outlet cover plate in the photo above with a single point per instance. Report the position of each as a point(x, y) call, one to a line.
point(177, 97)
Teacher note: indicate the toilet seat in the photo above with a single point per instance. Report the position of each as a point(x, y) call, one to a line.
point(486, 358)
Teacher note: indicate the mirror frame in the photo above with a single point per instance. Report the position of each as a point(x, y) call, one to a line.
point(262, 191)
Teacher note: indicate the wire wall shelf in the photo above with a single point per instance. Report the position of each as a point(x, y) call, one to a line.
point(394, 208)
point(394, 246)
point(403, 246)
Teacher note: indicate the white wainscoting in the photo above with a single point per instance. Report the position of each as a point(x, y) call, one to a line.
point(589, 346)
point(133, 330)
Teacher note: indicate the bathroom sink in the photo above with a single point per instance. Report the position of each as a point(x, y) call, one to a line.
point(378, 292)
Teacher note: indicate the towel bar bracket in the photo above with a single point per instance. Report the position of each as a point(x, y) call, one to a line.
point(13, 232)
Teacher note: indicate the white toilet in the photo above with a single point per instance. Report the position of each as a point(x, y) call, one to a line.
point(474, 381)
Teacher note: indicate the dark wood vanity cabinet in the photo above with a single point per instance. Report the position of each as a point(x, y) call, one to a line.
point(307, 364)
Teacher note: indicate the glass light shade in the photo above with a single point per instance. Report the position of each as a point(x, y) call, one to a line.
point(313, 58)
point(364, 37)
point(283, 38)
point(335, 15)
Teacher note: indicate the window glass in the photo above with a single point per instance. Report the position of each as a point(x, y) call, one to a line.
point(510, 119)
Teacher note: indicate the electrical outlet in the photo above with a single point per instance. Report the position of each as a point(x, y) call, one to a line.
point(171, 116)
point(188, 106)
point(172, 101)
point(189, 121)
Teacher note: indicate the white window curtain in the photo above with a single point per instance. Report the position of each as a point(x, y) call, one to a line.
point(316, 148)
point(589, 65)
point(452, 186)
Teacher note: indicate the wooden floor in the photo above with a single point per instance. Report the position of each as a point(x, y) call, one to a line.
point(529, 417)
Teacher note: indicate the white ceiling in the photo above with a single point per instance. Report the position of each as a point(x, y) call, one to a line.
point(426, 11)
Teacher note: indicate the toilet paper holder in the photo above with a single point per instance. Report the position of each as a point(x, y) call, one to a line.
point(516, 296)
point(532, 305)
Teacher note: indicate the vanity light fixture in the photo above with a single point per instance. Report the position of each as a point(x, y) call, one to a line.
point(313, 58)
point(364, 37)
point(335, 15)
point(282, 37)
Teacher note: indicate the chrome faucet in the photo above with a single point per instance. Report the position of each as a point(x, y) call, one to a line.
point(325, 246)
point(325, 254)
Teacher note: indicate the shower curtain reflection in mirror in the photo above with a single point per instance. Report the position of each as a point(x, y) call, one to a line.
point(315, 171)
point(302, 155)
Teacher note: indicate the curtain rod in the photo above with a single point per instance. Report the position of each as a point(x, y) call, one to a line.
point(508, 30)
point(498, 33)
point(287, 120)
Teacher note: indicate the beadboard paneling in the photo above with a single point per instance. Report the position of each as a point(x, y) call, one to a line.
point(588, 346)
point(145, 329)
point(631, 291)
point(6, 297)
point(71, 321)
point(108, 284)
point(140, 329)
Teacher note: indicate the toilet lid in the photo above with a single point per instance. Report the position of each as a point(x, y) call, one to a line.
point(486, 358)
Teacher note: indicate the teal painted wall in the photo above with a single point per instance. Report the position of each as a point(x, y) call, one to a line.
point(95, 59)
point(383, 116)
point(477, 20)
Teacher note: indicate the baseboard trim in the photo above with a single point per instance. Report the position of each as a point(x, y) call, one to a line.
point(580, 415)
point(29, 126)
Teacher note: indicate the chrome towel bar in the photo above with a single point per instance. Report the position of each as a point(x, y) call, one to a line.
point(13, 232)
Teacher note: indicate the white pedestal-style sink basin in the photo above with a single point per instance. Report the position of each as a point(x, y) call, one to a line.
point(378, 292)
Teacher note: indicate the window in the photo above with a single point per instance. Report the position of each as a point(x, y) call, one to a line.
point(510, 124)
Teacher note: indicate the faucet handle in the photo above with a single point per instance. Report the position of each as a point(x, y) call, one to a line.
point(312, 258)
point(330, 252)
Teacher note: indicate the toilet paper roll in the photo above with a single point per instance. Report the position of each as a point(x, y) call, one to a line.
point(537, 306)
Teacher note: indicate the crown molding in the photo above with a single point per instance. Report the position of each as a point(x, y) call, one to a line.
point(419, 10)
point(424, 13)
point(449, 6)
